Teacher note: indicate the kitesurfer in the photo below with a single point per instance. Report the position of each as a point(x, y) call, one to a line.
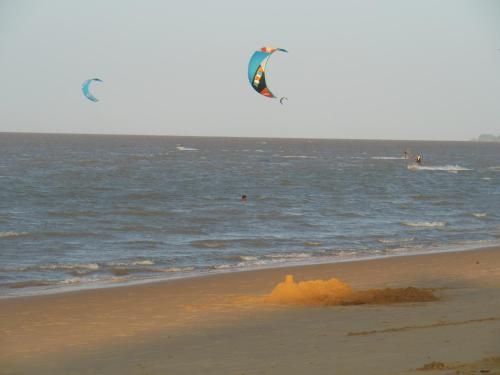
point(244, 198)
point(418, 159)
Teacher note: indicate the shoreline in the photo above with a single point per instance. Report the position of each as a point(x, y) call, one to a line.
point(110, 284)
point(216, 324)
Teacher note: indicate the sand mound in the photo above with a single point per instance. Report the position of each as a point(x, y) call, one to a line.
point(335, 292)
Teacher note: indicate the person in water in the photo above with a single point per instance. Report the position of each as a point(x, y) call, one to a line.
point(418, 159)
point(244, 198)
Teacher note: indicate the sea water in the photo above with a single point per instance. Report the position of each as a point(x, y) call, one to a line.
point(89, 211)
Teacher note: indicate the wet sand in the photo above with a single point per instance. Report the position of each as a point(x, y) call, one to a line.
point(219, 324)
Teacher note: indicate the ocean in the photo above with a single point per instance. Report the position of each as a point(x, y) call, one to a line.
point(80, 211)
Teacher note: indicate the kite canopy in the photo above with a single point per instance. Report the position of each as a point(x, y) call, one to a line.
point(85, 89)
point(257, 69)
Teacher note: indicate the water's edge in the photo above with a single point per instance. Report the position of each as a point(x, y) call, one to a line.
point(215, 273)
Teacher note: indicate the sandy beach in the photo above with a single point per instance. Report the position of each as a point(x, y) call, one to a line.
point(220, 324)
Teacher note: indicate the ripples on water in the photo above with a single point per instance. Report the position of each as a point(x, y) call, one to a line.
point(83, 210)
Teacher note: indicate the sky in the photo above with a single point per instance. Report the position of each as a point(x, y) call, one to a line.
point(388, 69)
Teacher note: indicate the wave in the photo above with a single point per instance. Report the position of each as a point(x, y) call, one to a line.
point(425, 224)
point(122, 271)
point(146, 195)
point(182, 148)
point(140, 212)
point(143, 243)
point(144, 262)
point(73, 213)
point(244, 261)
point(479, 214)
point(224, 266)
point(222, 244)
point(313, 243)
point(299, 157)
point(29, 283)
point(445, 168)
point(210, 244)
point(289, 256)
point(247, 258)
point(177, 269)
point(37, 235)
point(9, 234)
point(388, 158)
point(74, 269)
point(41, 283)
point(278, 215)
point(66, 266)
point(395, 240)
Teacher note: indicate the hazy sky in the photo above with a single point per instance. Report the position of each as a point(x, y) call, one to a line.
point(387, 69)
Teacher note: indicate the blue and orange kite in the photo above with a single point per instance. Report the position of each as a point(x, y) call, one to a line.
point(257, 69)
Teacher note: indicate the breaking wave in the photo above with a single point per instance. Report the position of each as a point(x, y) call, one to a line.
point(388, 157)
point(12, 234)
point(222, 244)
point(479, 214)
point(396, 240)
point(444, 168)
point(425, 224)
point(299, 157)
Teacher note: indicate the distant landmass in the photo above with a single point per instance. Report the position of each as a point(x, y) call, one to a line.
point(488, 138)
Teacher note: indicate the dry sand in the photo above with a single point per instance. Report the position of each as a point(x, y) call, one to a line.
point(221, 324)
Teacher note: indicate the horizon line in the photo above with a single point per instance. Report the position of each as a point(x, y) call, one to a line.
point(243, 137)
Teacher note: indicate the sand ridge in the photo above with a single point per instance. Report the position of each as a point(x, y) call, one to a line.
point(334, 292)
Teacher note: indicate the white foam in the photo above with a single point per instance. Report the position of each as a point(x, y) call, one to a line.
point(289, 256)
point(182, 148)
point(178, 269)
point(248, 257)
point(425, 224)
point(81, 280)
point(479, 214)
point(73, 280)
point(388, 157)
point(143, 263)
point(89, 266)
point(445, 168)
point(12, 234)
point(299, 157)
point(223, 266)
point(396, 240)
